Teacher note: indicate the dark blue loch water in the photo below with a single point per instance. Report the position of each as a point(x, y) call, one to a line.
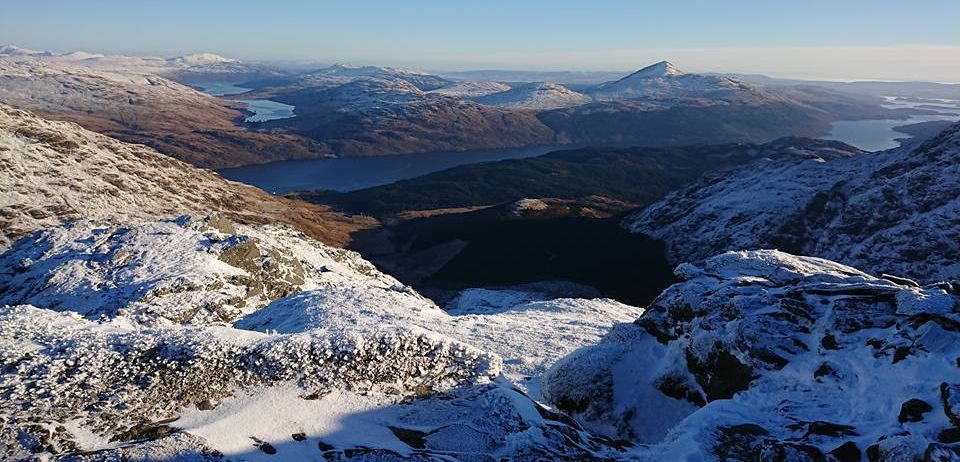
point(350, 173)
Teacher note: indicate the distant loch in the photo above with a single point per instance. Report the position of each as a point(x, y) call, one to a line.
point(262, 109)
point(878, 135)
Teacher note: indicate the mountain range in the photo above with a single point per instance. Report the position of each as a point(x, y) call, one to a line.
point(368, 110)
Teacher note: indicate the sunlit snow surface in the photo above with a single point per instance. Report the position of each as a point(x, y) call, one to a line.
point(351, 349)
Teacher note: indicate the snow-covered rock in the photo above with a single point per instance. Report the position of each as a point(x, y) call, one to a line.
point(112, 383)
point(886, 212)
point(537, 96)
point(763, 355)
point(527, 330)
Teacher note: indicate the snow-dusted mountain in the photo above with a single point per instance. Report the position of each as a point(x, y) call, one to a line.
point(471, 89)
point(371, 110)
point(373, 115)
point(57, 171)
point(200, 59)
point(537, 96)
point(768, 356)
point(887, 212)
point(207, 64)
point(664, 82)
point(340, 74)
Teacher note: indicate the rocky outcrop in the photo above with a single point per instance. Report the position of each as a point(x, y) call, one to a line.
point(763, 355)
point(889, 212)
point(122, 382)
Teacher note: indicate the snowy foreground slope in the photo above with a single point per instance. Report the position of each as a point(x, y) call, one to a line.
point(766, 356)
point(202, 338)
point(887, 212)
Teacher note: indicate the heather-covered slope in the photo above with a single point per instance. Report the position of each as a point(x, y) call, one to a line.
point(895, 211)
point(126, 99)
point(56, 171)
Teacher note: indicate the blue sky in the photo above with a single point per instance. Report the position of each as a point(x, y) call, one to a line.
point(813, 37)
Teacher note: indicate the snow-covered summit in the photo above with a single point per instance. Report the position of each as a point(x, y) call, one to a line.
point(665, 83)
point(80, 56)
point(203, 336)
point(660, 69)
